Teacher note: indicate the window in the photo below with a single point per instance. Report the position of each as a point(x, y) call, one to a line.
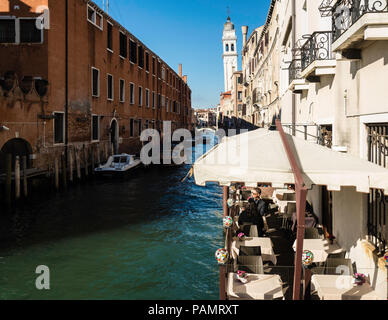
point(122, 90)
point(59, 127)
point(94, 17)
point(141, 56)
point(132, 93)
point(95, 82)
point(162, 102)
point(110, 87)
point(133, 51)
point(7, 31)
point(109, 39)
point(29, 33)
point(239, 95)
point(163, 73)
point(232, 47)
point(140, 96)
point(167, 102)
point(147, 98)
point(123, 45)
point(227, 48)
point(153, 65)
point(139, 127)
point(153, 99)
point(147, 61)
point(95, 128)
point(146, 124)
point(131, 128)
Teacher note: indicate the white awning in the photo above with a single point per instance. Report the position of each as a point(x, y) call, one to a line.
point(259, 157)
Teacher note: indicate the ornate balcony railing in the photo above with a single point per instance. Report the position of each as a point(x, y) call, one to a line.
point(294, 70)
point(317, 47)
point(346, 12)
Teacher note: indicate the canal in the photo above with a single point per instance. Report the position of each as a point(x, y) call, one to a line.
point(146, 237)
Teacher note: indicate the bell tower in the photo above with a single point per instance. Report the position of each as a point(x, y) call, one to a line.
point(229, 42)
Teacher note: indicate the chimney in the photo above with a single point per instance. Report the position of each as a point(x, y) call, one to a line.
point(180, 70)
point(244, 30)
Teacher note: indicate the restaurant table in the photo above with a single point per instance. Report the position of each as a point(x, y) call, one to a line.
point(266, 245)
point(258, 287)
point(310, 221)
point(340, 287)
point(321, 248)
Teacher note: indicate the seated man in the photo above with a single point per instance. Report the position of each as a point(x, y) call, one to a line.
point(255, 212)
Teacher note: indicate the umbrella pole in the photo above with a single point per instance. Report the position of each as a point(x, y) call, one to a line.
point(225, 201)
point(223, 267)
point(301, 194)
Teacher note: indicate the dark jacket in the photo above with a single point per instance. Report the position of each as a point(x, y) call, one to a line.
point(254, 214)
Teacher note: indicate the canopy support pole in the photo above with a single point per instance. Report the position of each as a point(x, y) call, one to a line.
point(301, 194)
point(222, 268)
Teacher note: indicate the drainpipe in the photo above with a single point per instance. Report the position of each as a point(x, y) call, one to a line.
point(293, 57)
point(66, 79)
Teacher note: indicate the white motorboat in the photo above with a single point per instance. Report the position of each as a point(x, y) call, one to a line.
point(121, 163)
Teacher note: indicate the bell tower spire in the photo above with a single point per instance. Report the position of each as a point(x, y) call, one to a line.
point(230, 55)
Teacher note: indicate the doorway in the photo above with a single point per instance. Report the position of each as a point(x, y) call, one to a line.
point(114, 136)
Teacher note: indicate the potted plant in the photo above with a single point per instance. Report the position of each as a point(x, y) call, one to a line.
point(241, 236)
point(242, 276)
point(359, 279)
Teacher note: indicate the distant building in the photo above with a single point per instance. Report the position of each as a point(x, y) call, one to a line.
point(97, 94)
point(206, 117)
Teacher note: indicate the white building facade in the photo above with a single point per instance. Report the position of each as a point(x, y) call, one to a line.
point(230, 55)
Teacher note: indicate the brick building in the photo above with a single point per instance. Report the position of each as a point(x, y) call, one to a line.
point(84, 84)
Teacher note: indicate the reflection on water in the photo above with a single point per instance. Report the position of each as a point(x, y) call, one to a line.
point(146, 237)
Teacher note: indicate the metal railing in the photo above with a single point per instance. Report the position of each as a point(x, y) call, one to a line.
point(317, 47)
point(294, 70)
point(346, 12)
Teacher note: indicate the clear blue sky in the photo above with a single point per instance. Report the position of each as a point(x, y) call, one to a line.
point(190, 32)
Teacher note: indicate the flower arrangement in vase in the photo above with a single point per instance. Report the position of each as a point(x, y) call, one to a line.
point(241, 236)
point(359, 279)
point(242, 276)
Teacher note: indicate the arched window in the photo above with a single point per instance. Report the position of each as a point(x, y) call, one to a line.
point(232, 47)
point(227, 48)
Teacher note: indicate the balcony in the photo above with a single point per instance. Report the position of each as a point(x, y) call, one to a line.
point(356, 21)
point(296, 83)
point(317, 56)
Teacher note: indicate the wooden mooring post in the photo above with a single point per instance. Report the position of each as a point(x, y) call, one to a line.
point(71, 165)
point(25, 186)
point(64, 172)
point(86, 162)
point(56, 173)
point(17, 177)
point(78, 163)
point(8, 181)
point(92, 159)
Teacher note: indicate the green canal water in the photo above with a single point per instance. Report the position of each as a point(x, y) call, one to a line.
point(146, 237)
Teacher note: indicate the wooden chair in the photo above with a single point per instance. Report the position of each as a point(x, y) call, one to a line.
point(250, 264)
point(250, 251)
point(335, 266)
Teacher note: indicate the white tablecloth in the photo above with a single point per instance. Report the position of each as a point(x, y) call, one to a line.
point(258, 287)
point(337, 287)
point(266, 245)
point(320, 248)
